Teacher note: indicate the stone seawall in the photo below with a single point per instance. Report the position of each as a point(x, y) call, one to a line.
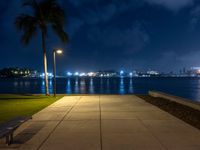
point(179, 100)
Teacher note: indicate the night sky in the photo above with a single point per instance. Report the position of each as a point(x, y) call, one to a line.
point(162, 35)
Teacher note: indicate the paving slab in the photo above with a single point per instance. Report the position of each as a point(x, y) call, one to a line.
point(118, 115)
point(131, 141)
point(104, 122)
point(83, 116)
point(72, 141)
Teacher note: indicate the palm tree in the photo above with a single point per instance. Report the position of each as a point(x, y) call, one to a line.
point(44, 13)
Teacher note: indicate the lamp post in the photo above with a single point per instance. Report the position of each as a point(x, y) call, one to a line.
point(55, 51)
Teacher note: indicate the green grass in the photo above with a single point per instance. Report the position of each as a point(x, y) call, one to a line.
point(23, 105)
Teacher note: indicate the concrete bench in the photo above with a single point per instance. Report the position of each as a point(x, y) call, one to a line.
point(7, 129)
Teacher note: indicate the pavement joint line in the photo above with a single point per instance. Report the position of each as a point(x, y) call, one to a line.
point(163, 146)
point(58, 123)
point(152, 133)
point(100, 124)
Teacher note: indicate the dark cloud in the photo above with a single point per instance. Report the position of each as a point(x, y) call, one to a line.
point(173, 5)
point(99, 13)
point(111, 34)
point(195, 17)
point(128, 40)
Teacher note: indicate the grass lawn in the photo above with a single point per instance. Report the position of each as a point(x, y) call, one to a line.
point(23, 105)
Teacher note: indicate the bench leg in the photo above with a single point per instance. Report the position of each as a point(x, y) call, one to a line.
point(11, 137)
point(7, 139)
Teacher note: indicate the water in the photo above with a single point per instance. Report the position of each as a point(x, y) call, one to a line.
point(183, 87)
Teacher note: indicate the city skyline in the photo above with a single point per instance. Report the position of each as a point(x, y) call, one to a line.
point(159, 34)
point(16, 72)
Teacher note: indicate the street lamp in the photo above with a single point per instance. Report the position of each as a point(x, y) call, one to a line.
point(55, 51)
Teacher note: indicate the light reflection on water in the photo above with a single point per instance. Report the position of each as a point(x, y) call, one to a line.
point(16, 84)
point(27, 84)
point(43, 86)
point(101, 85)
point(82, 86)
point(195, 92)
point(68, 87)
point(121, 86)
point(50, 86)
point(76, 88)
point(183, 87)
point(108, 85)
point(131, 86)
point(91, 86)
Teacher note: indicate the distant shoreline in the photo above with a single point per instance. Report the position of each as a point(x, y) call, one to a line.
point(101, 77)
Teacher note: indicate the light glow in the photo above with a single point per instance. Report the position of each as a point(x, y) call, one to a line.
point(69, 74)
point(59, 51)
point(48, 74)
point(82, 74)
point(76, 73)
point(91, 74)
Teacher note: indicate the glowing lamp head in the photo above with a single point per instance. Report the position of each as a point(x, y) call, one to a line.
point(59, 51)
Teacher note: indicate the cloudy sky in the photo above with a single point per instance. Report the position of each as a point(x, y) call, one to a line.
point(162, 35)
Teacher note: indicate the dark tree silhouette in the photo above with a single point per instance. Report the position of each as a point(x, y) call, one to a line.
point(45, 13)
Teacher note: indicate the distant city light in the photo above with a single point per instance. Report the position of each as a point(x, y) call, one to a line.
point(82, 74)
point(69, 74)
point(121, 72)
point(152, 72)
point(90, 74)
point(48, 74)
point(76, 73)
point(25, 72)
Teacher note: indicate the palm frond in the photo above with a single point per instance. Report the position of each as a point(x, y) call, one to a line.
point(45, 12)
point(61, 33)
point(56, 15)
point(28, 35)
point(24, 22)
point(28, 2)
point(31, 3)
point(52, 12)
point(27, 24)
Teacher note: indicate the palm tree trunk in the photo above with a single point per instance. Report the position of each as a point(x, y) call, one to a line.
point(45, 64)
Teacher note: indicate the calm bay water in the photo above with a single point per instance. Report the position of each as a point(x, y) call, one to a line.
point(183, 87)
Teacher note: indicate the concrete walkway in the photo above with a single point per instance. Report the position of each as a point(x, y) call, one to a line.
point(108, 123)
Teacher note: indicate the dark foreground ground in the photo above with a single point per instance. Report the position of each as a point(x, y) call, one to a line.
point(185, 113)
point(104, 122)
